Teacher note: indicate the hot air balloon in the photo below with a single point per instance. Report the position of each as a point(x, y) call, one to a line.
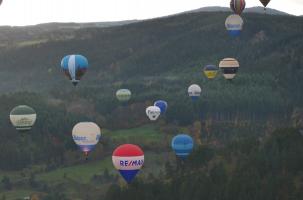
point(123, 95)
point(194, 91)
point(229, 67)
point(86, 135)
point(237, 6)
point(234, 25)
point(265, 3)
point(128, 159)
point(153, 112)
point(74, 67)
point(23, 117)
point(210, 71)
point(183, 145)
point(162, 105)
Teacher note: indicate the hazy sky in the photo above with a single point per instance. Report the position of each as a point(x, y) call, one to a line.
point(26, 12)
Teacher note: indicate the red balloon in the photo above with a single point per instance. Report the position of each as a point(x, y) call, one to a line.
point(237, 6)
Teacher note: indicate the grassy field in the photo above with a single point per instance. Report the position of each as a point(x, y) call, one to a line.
point(144, 134)
point(79, 173)
point(76, 176)
point(16, 194)
point(154, 162)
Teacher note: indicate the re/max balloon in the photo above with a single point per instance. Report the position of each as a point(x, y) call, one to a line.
point(74, 67)
point(123, 95)
point(234, 25)
point(237, 6)
point(128, 159)
point(194, 91)
point(153, 112)
point(86, 135)
point(162, 105)
point(183, 145)
point(229, 67)
point(210, 71)
point(23, 117)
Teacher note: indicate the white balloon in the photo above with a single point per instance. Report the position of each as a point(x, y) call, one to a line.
point(234, 23)
point(86, 135)
point(194, 90)
point(23, 117)
point(153, 112)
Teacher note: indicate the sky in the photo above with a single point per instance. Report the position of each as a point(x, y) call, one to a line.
point(30, 12)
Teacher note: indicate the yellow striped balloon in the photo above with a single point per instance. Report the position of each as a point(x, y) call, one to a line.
point(210, 71)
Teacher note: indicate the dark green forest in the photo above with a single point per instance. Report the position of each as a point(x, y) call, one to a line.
point(248, 168)
point(247, 132)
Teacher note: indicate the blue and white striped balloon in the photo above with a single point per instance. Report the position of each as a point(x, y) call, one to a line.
point(74, 67)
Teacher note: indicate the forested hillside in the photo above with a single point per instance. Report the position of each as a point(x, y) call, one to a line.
point(237, 125)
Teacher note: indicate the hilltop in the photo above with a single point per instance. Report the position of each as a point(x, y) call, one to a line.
point(256, 9)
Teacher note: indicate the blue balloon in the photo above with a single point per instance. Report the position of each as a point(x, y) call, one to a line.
point(162, 105)
point(74, 67)
point(183, 145)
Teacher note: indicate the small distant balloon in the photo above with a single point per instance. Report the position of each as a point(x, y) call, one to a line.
point(265, 3)
point(237, 6)
point(123, 95)
point(162, 105)
point(153, 112)
point(210, 71)
point(229, 67)
point(194, 91)
point(183, 145)
point(74, 67)
point(23, 117)
point(234, 25)
point(128, 159)
point(86, 135)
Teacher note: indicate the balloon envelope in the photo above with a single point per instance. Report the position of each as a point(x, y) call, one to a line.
point(194, 91)
point(86, 135)
point(234, 25)
point(237, 6)
point(183, 145)
point(153, 112)
point(128, 159)
point(123, 95)
point(229, 67)
point(265, 2)
point(210, 71)
point(162, 105)
point(74, 67)
point(23, 117)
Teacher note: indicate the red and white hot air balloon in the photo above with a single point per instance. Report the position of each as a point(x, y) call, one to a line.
point(128, 159)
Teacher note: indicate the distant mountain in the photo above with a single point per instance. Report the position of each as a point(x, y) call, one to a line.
point(210, 9)
point(257, 9)
point(36, 34)
point(269, 11)
point(56, 26)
